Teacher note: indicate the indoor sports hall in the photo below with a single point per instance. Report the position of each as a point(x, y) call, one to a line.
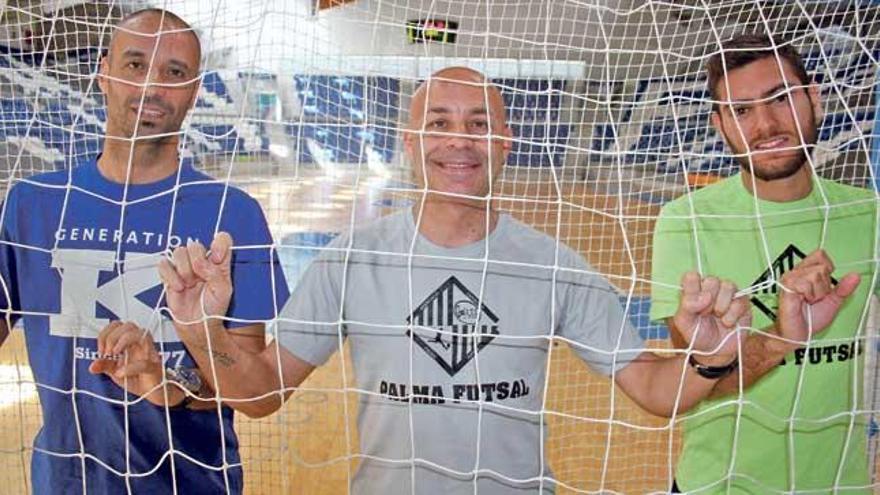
point(303, 104)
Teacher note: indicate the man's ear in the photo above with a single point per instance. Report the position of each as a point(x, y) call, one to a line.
point(198, 86)
point(715, 118)
point(412, 148)
point(816, 101)
point(507, 142)
point(408, 139)
point(508, 134)
point(103, 72)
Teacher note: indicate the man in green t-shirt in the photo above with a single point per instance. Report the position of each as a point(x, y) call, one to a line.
point(800, 427)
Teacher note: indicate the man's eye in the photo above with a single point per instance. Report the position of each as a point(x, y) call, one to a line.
point(740, 111)
point(436, 124)
point(134, 65)
point(781, 97)
point(480, 126)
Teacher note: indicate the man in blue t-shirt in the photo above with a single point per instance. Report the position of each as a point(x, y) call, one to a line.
point(78, 255)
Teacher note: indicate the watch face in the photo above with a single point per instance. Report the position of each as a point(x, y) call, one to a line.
point(188, 374)
point(187, 377)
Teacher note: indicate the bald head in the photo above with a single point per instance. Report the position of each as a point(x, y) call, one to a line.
point(458, 139)
point(150, 77)
point(153, 22)
point(463, 77)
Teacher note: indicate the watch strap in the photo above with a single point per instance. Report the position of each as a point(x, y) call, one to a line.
point(712, 372)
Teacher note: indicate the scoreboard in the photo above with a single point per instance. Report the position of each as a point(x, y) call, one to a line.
point(431, 30)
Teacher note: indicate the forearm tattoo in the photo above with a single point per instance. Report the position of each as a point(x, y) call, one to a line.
point(219, 357)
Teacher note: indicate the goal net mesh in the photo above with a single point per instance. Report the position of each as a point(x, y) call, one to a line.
point(302, 105)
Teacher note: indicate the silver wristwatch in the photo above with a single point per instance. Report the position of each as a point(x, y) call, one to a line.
point(187, 378)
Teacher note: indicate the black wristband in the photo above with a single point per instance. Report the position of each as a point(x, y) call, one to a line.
point(712, 372)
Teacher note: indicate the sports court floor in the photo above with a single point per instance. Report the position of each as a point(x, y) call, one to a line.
point(596, 442)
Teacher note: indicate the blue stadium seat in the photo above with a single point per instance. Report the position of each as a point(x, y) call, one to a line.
point(52, 137)
point(531, 99)
point(331, 97)
point(538, 145)
point(33, 58)
point(678, 129)
point(383, 93)
point(213, 83)
point(350, 99)
point(604, 136)
point(88, 146)
point(836, 123)
point(56, 113)
point(224, 135)
point(15, 117)
point(670, 135)
point(342, 144)
point(100, 112)
point(15, 109)
point(85, 129)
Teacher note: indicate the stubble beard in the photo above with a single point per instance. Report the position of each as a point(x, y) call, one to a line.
point(790, 167)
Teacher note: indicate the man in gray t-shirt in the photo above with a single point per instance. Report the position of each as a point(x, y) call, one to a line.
point(455, 334)
point(450, 308)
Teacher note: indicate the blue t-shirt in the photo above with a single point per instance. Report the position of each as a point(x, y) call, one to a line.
point(73, 257)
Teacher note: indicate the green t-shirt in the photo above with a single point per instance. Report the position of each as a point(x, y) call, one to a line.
point(791, 429)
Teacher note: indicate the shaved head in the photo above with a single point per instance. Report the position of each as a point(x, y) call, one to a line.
point(152, 22)
point(457, 139)
point(457, 75)
point(150, 76)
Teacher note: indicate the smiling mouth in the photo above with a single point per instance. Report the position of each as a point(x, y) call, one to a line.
point(779, 143)
point(459, 169)
point(149, 112)
point(458, 166)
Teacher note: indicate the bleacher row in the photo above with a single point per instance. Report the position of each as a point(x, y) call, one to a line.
point(336, 108)
point(662, 125)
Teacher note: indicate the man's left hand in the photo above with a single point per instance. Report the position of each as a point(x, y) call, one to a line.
point(709, 317)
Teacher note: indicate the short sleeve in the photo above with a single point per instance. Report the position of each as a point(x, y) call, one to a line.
point(309, 327)
point(260, 289)
point(876, 252)
point(673, 255)
point(10, 304)
point(592, 317)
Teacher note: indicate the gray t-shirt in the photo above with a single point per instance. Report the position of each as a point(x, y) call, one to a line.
point(460, 333)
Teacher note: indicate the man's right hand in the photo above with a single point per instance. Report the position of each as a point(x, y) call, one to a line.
point(128, 356)
point(191, 273)
point(808, 301)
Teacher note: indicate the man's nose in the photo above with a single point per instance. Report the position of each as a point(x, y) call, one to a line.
point(763, 120)
point(155, 85)
point(458, 138)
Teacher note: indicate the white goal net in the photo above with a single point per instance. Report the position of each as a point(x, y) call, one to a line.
point(302, 104)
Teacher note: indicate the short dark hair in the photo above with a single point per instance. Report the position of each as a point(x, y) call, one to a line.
point(744, 49)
